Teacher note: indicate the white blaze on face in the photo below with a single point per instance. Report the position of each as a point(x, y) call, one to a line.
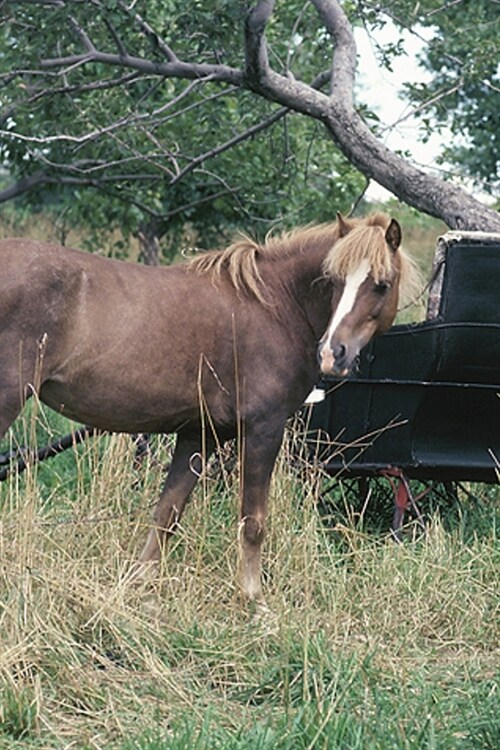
point(352, 284)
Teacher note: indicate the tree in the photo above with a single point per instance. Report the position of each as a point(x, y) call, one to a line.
point(150, 156)
point(241, 71)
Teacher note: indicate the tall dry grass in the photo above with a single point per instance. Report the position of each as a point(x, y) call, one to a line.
point(367, 640)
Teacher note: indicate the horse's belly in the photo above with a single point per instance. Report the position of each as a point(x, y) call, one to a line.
point(129, 407)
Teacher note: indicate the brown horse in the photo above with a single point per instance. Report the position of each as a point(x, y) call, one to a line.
point(220, 347)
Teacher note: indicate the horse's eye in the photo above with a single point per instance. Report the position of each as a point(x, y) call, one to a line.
point(382, 287)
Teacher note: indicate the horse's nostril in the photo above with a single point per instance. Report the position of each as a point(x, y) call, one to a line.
point(339, 351)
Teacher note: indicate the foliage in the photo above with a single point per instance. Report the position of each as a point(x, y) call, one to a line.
point(144, 154)
point(193, 156)
point(461, 52)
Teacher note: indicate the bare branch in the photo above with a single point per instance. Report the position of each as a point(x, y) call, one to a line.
point(240, 138)
point(424, 105)
point(123, 122)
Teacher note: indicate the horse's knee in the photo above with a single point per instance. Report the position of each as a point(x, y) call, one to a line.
point(253, 530)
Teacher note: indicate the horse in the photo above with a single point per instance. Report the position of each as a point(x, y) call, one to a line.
point(225, 345)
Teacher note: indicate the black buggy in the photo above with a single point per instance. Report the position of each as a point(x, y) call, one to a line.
point(425, 401)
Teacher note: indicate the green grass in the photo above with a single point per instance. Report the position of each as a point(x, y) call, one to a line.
point(369, 645)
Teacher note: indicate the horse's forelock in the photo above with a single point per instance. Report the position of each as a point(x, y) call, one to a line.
point(366, 240)
point(362, 243)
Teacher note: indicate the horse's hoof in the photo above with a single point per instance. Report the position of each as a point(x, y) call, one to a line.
point(264, 617)
point(142, 572)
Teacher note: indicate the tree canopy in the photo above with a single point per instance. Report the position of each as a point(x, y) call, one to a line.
point(153, 114)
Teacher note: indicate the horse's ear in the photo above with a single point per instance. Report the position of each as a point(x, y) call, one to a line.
point(393, 235)
point(343, 225)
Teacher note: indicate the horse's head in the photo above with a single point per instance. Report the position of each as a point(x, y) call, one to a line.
point(365, 268)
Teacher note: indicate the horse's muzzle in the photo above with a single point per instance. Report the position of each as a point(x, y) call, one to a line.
point(334, 361)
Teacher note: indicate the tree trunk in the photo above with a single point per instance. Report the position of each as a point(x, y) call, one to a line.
point(148, 236)
point(434, 196)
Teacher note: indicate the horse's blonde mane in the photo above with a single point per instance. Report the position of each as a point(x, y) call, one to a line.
point(239, 260)
point(365, 239)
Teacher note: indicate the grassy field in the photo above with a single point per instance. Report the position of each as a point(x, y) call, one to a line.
point(369, 645)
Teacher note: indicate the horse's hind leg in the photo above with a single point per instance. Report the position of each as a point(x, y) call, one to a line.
point(10, 405)
point(186, 466)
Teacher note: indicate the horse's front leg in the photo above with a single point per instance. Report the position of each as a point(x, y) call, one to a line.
point(185, 469)
point(259, 456)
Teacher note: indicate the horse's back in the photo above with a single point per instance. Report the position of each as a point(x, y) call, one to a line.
point(50, 277)
point(30, 265)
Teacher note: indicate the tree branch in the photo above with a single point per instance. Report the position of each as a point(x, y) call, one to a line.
point(344, 52)
point(174, 69)
point(26, 184)
point(427, 193)
point(126, 121)
point(349, 131)
point(150, 32)
point(41, 178)
point(240, 138)
point(256, 60)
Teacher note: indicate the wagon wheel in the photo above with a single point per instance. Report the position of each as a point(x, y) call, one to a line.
point(373, 502)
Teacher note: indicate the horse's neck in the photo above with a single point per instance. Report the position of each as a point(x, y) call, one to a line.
point(301, 275)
